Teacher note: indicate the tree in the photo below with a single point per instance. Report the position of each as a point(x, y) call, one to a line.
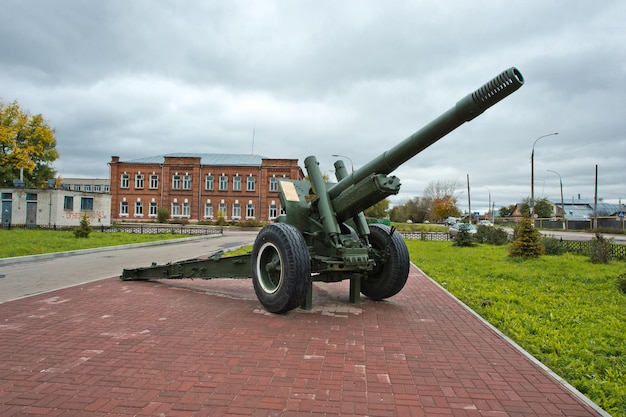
point(26, 143)
point(441, 199)
point(543, 208)
point(528, 242)
point(445, 207)
point(415, 210)
point(84, 229)
point(378, 210)
point(507, 211)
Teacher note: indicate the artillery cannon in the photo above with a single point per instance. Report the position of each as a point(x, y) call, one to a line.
point(323, 235)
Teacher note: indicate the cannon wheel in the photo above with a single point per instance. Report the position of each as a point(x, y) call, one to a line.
point(281, 267)
point(388, 278)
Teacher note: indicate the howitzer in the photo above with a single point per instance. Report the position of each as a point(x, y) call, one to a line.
point(323, 235)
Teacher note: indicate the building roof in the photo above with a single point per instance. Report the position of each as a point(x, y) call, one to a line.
point(205, 159)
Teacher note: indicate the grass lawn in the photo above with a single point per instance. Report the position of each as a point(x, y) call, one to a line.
point(565, 311)
point(22, 242)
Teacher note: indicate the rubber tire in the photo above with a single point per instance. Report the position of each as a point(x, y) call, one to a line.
point(388, 279)
point(285, 287)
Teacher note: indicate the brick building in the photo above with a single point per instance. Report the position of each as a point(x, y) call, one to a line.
point(199, 187)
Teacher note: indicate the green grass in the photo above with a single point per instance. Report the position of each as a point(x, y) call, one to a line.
point(565, 311)
point(22, 242)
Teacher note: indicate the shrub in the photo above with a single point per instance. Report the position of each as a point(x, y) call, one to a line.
point(84, 228)
point(528, 241)
point(464, 238)
point(553, 246)
point(163, 215)
point(600, 249)
point(491, 235)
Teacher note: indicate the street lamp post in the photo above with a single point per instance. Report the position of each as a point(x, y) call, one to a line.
point(562, 204)
point(489, 209)
point(532, 174)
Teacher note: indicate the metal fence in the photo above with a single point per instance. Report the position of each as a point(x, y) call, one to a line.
point(437, 236)
point(133, 228)
point(618, 252)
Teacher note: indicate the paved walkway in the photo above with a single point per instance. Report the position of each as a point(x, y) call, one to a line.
point(207, 348)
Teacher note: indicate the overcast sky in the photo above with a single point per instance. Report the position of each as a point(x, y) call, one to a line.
point(142, 78)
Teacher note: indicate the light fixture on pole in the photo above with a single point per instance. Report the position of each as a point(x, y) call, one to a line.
point(343, 156)
point(532, 173)
point(562, 204)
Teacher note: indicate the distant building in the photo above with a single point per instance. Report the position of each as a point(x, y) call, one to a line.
point(90, 185)
point(49, 207)
point(198, 187)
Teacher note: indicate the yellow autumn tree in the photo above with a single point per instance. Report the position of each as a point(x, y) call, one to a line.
point(27, 143)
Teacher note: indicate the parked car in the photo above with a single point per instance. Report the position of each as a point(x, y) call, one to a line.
point(454, 229)
point(485, 223)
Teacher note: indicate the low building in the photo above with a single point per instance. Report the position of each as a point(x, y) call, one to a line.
point(89, 185)
point(50, 207)
point(199, 187)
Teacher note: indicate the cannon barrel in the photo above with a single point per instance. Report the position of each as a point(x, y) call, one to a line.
point(465, 110)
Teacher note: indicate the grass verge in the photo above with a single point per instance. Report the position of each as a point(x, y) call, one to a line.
point(565, 311)
point(22, 242)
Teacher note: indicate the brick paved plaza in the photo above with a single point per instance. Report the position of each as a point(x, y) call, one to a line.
point(207, 348)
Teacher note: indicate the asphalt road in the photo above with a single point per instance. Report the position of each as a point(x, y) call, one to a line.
point(583, 236)
point(39, 274)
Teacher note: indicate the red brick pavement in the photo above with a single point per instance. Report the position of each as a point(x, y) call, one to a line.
point(207, 348)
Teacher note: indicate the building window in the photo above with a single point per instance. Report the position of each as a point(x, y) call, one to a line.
point(68, 203)
point(250, 186)
point(236, 210)
point(237, 183)
point(124, 209)
point(107, 188)
point(208, 211)
point(273, 210)
point(250, 210)
point(273, 184)
point(31, 197)
point(176, 182)
point(175, 209)
point(209, 183)
point(223, 183)
point(76, 187)
point(186, 209)
point(139, 181)
point(97, 188)
point(153, 209)
point(88, 188)
point(138, 209)
point(187, 182)
point(86, 203)
point(154, 182)
point(125, 181)
point(222, 210)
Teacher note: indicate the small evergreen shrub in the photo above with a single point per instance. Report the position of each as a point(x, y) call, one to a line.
point(163, 215)
point(84, 228)
point(600, 249)
point(464, 238)
point(553, 246)
point(528, 241)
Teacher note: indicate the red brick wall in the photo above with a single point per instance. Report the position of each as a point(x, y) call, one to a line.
point(197, 195)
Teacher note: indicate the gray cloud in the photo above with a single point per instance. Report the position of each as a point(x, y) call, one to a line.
point(144, 78)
